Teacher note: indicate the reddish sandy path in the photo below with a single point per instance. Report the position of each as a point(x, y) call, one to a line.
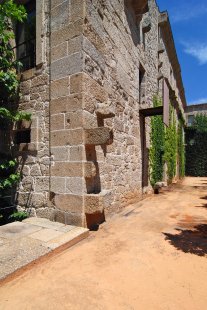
point(128, 263)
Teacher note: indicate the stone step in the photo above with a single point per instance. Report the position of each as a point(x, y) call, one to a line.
point(23, 244)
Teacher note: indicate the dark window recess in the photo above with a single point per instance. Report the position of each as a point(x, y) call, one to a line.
point(26, 38)
point(22, 136)
point(141, 85)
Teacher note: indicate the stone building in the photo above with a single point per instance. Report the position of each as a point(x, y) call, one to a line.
point(194, 109)
point(91, 68)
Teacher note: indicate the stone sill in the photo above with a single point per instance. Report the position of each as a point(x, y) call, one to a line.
point(26, 147)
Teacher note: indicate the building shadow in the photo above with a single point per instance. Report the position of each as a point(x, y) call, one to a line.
point(190, 241)
point(202, 206)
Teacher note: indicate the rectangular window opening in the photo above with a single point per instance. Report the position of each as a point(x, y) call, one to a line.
point(22, 136)
point(25, 36)
point(141, 85)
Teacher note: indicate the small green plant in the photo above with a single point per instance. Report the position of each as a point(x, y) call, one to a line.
point(18, 216)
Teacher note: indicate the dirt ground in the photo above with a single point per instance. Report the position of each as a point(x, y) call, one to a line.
point(152, 256)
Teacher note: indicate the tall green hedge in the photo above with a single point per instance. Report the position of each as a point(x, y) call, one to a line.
point(196, 147)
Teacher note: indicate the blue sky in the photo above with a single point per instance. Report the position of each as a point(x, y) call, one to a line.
point(189, 24)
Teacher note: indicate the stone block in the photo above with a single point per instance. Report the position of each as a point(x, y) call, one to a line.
point(74, 103)
point(75, 185)
point(76, 219)
point(41, 184)
point(96, 203)
point(41, 80)
point(77, 10)
point(98, 136)
point(35, 170)
point(60, 16)
point(70, 31)
point(58, 185)
point(59, 216)
point(77, 153)
point(58, 105)
point(60, 153)
point(76, 83)
point(69, 203)
point(27, 184)
point(67, 137)
point(74, 169)
point(55, 3)
point(60, 88)
point(67, 66)
point(67, 169)
point(75, 45)
point(57, 121)
point(59, 51)
point(74, 120)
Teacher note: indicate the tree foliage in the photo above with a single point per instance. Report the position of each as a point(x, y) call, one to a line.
point(196, 147)
point(10, 13)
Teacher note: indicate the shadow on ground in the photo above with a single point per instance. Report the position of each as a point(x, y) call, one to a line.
point(190, 241)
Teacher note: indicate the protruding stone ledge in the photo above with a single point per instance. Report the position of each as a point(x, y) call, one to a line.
point(98, 136)
point(27, 147)
point(104, 111)
point(160, 76)
point(161, 48)
point(96, 203)
point(146, 25)
point(163, 19)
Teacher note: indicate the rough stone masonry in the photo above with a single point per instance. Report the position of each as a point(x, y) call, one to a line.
point(98, 63)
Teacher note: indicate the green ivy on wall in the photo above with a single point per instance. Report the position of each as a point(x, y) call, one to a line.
point(167, 145)
point(157, 145)
point(170, 146)
point(181, 149)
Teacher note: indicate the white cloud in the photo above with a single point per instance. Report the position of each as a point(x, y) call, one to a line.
point(199, 51)
point(198, 101)
point(188, 12)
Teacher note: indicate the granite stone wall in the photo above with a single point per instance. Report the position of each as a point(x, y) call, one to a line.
point(102, 62)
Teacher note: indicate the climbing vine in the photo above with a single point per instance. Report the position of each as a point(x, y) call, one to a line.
point(181, 148)
point(166, 146)
point(10, 13)
point(170, 146)
point(157, 145)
